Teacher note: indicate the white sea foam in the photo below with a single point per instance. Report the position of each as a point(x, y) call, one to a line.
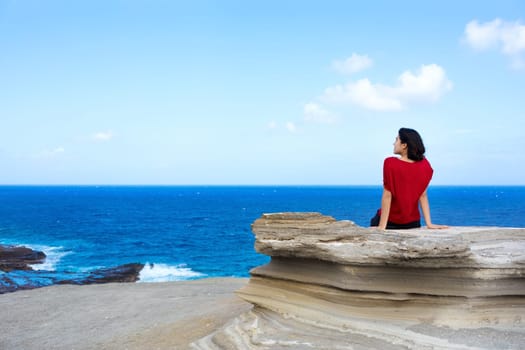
point(167, 273)
point(53, 257)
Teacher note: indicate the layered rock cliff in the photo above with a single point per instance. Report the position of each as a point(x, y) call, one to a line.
point(335, 285)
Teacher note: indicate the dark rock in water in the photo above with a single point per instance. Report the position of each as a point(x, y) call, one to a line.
point(17, 274)
point(19, 258)
point(121, 273)
point(16, 280)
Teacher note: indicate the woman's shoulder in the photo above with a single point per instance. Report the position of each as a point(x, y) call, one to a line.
point(391, 163)
point(391, 159)
point(424, 161)
point(396, 161)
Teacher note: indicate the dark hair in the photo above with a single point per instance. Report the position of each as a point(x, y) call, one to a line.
point(415, 147)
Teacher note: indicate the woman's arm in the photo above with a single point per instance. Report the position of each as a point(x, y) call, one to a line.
point(386, 200)
point(425, 207)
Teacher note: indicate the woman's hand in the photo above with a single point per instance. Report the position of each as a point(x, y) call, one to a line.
point(434, 226)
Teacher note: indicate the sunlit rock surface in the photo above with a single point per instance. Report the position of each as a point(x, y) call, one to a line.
point(335, 285)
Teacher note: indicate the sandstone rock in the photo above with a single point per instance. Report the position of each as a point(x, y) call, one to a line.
point(334, 285)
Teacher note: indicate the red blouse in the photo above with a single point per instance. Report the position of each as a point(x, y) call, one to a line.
point(407, 182)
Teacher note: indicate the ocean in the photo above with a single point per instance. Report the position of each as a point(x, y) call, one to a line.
point(190, 232)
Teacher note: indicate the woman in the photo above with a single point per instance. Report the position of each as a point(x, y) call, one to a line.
point(405, 182)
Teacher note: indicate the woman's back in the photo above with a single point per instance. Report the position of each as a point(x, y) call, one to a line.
point(406, 181)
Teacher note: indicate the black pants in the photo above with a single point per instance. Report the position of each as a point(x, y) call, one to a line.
point(392, 225)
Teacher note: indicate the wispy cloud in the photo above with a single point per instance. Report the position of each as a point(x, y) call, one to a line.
point(272, 125)
point(314, 112)
point(352, 64)
point(291, 127)
point(428, 84)
point(288, 126)
point(103, 136)
point(50, 153)
point(506, 37)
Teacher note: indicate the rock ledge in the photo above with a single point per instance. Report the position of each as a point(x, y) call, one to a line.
point(333, 284)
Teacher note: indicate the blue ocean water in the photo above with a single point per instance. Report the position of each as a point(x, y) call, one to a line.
point(202, 231)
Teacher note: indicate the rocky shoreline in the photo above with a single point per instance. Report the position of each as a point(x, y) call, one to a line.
point(16, 261)
point(329, 285)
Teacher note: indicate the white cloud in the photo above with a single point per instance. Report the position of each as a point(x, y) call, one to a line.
point(427, 85)
point(103, 136)
point(364, 94)
point(352, 64)
point(507, 37)
point(313, 112)
point(290, 126)
point(482, 37)
point(58, 150)
point(51, 153)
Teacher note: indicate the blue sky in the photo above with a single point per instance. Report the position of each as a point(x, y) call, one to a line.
point(259, 92)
